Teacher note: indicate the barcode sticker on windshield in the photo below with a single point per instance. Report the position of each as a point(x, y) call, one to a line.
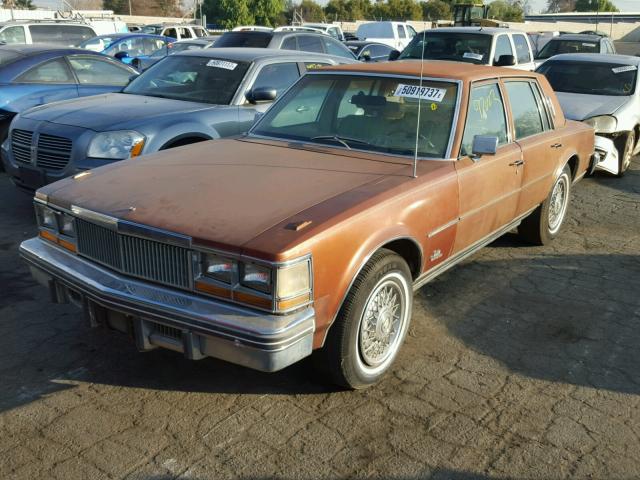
point(474, 56)
point(425, 93)
point(222, 64)
point(624, 68)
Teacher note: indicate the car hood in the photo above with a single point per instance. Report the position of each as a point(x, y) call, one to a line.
point(110, 111)
point(222, 194)
point(578, 106)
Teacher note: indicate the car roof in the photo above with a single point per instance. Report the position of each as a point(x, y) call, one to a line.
point(597, 58)
point(577, 36)
point(434, 69)
point(126, 35)
point(485, 30)
point(359, 43)
point(35, 48)
point(242, 54)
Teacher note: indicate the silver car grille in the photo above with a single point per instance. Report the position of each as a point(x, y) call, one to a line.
point(139, 257)
point(21, 145)
point(52, 153)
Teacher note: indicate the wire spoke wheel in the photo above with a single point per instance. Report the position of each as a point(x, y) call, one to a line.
point(558, 203)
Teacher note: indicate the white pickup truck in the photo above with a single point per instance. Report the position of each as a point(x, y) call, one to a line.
point(395, 34)
point(501, 47)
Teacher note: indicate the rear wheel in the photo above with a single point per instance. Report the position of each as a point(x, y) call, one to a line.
point(544, 224)
point(625, 153)
point(371, 325)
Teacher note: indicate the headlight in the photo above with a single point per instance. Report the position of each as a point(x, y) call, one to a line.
point(276, 288)
point(56, 227)
point(603, 124)
point(256, 277)
point(116, 145)
point(218, 268)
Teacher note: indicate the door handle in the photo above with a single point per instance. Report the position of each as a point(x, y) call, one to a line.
point(556, 145)
point(517, 163)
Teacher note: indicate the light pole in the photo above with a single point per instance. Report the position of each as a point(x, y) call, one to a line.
point(129, 7)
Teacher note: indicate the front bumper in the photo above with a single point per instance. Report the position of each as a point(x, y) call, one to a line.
point(156, 316)
point(609, 160)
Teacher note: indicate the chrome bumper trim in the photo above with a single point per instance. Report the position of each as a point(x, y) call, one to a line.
point(236, 334)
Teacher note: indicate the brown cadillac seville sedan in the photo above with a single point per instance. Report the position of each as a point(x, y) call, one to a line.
point(310, 234)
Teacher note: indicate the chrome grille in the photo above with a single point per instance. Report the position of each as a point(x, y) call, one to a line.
point(147, 259)
point(21, 145)
point(53, 152)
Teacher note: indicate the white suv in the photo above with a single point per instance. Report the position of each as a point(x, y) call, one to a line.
point(395, 34)
point(177, 31)
point(63, 33)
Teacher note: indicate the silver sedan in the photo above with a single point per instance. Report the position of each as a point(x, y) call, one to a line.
point(602, 91)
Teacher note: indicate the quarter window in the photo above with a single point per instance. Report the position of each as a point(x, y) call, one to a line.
point(522, 49)
point(401, 32)
point(96, 71)
point(485, 116)
point(309, 43)
point(289, 44)
point(503, 47)
point(54, 71)
point(525, 108)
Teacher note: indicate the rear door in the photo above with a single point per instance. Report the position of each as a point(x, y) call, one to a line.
point(489, 186)
point(533, 130)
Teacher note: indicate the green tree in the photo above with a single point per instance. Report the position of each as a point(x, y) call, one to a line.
point(267, 12)
point(118, 6)
point(404, 10)
point(560, 6)
point(228, 13)
point(595, 5)
point(508, 11)
point(436, 10)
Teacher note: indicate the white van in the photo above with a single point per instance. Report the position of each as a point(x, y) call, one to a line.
point(395, 34)
point(62, 33)
point(178, 31)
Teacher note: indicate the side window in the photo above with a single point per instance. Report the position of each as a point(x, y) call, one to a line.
point(150, 45)
point(96, 71)
point(75, 34)
point(333, 47)
point(503, 47)
point(547, 119)
point(310, 43)
point(525, 108)
point(485, 116)
point(379, 51)
point(522, 48)
point(401, 32)
point(290, 44)
point(411, 30)
point(171, 32)
point(13, 35)
point(279, 76)
point(53, 71)
point(185, 33)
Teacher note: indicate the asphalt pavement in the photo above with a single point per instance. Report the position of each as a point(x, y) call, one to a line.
point(523, 362)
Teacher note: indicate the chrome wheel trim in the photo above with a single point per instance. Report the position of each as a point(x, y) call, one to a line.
point(558, 203)
point(383, 323)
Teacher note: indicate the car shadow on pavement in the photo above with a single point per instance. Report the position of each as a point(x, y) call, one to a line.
point(561, 318)
point(630, 183)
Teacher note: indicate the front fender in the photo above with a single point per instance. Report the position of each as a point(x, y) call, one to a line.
point(163, 135)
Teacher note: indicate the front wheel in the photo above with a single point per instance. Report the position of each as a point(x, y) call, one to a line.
point(544, 224)
point(625, 153)
point(371, 325)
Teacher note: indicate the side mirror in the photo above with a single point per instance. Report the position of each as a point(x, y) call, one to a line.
point(483, 145)
point(121, 55)
point(505, 61)
point(393, 55)
point(261, 94)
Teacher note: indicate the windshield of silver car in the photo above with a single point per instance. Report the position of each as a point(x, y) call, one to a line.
point(591, 78)
point(459, 47)
point(193, 79)
point(373, 113)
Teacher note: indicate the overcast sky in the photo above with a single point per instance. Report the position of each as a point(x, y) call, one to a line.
point(623, 5)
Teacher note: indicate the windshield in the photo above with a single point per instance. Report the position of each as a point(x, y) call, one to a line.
point(378, 114)
point(153, 29)
point(98, 44)
point(245, 39)
point(590, 78)
point(556, 47)
point(194, 79)
point(460, 47)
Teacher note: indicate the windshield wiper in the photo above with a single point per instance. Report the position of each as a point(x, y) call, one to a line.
point(342, 140)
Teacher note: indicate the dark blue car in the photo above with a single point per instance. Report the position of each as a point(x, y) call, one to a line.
point(32, 75)
point(127, 46)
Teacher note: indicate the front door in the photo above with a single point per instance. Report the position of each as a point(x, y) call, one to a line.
point(489, 186)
